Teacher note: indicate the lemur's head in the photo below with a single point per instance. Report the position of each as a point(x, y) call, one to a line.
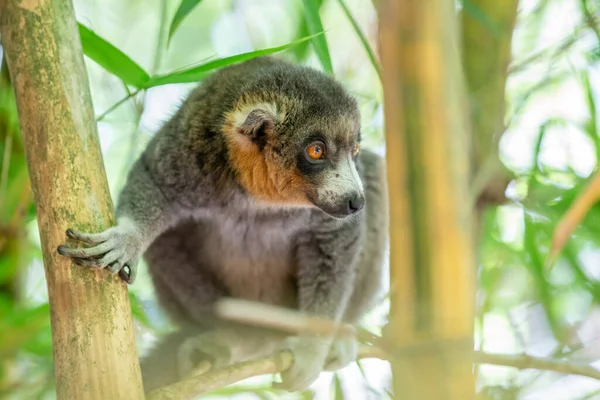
point(294, 140)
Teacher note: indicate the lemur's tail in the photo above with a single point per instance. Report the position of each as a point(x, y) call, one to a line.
point(159, 367)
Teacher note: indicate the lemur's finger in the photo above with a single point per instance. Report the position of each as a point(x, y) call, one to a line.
point(85, 252)
point(88, 262)
point(114, 267)
point(111, 257)
point(91, 238)
point(101, 263)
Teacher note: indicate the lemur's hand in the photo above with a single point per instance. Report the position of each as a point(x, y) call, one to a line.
point(342, 352)
point(210, 346)
point(309, 357)
point(117, 249)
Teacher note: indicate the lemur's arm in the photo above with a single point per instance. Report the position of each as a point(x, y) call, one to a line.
point(326, 270)
point(161, 180)
point(143, 213)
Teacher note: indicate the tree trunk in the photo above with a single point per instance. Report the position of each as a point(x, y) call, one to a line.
point(93, 341)
point(431, 238)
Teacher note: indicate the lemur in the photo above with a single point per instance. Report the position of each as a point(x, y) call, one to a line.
point(257, 189)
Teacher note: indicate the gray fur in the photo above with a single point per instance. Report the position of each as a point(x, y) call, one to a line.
point(205, 236)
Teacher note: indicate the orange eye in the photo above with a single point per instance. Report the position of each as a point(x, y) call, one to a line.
point(355, 150)
point(315, 151)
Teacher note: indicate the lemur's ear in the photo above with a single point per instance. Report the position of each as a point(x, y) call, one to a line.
point(257, 126)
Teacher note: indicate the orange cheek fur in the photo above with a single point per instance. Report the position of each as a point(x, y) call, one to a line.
point(261, 176)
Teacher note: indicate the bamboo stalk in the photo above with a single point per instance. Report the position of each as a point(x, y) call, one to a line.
point(486, 55)
point(432, 254)
point(92, 331)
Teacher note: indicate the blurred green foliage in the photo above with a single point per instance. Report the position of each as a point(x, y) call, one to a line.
point(142, 57)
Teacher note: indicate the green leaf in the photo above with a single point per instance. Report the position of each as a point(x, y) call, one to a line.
point(535, 168)
point(592, 123)
point(300, 52)
point(137, 310)
point(337, 384)
point(538, 272)
point(308, 394)
point(362, 38)
point(313, 22)
point(184, 9)
point(13, 197)
point(195, 74)
point(375, 393)
point(20, 327)
point(581, 278)
point(112, 59)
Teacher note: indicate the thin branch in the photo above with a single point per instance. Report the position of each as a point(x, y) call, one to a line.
point(553, 51)
point(288, 320)
point(194, 386)
point(279, 318)
point(524, 361)
point(117, 104)
point(141, 103)
point(199, 381)
point(199, 384)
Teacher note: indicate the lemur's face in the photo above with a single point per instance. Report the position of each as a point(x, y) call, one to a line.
point(326, 159)
point(302, 159)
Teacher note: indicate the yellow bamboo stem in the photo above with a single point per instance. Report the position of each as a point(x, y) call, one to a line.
point(432, 254)
point(92, 331)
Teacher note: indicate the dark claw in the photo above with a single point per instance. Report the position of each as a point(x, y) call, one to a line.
point(77, 236)
point(91, 263)
point(75, 253)
point(125, 274)
point(62, 250)
point(73, 235)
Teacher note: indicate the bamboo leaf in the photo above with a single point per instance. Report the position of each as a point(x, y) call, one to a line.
point(313, 22)
point(362, 38)
point(337, 387)
point(20, 327)
point(581, 279)
point(198, 72)
point(137, 310)
point(535, 168)
point(573, 217)
point(592, 124)
point(184, 9)
point(366, 380)
point(300, 52)
point(15, 196)
point(537, 271)
point(111, 58)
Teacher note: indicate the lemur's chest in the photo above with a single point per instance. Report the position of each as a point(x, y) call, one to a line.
point(252, 255)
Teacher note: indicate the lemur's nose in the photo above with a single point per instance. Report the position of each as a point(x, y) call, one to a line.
point(355, 204)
